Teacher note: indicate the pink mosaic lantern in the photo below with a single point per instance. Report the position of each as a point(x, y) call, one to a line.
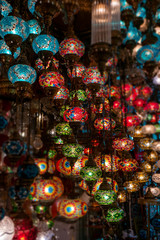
point(75, 114)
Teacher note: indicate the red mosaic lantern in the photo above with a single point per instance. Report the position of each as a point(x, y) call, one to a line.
point(146, 92)
point(51, 79)
point(152, 107)
point(75, 114)
point(131, 120)
point(128, 165)
point(127, 89)
point(24, 229)
point(107, 162)
point(123, 144)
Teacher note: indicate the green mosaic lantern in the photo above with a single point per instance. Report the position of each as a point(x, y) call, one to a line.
point(63, 129)
point(105, 197)
point(72, 150)
point(114, 215)
point(52, 153)
point(90, 173)
point(80, 93)
point(40, 209)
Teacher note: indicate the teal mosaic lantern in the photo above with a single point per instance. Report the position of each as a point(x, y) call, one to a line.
point(90, 173)
point(72, 150)
point(105, 197)
point(63, 129)
point(34, 27)
point(114, 215)
point(5, 8)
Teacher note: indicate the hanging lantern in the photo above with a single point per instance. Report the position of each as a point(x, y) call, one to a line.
point(151, 156)
point(156, 177)
point(16, 33)
point(146, 143)
point(148, 129)
point(141, 177)
point(61, 96)
point(18, 192)
point(5, 8)
point(152, 107)
point(147, 167)
point(107, 162)
point(128, 165)
point(72, 150)
point(47, 190)
point(139, 104)
point(71, 49)
point(34, 27)
point(45, 46)
point(156, 146)
point(77, 71)
point(126, 89)
point(75, 114)
point(6, 228)
point(72, 208)
point(24, 229)
point(131, 121)
point(90, 173)
point(127, 12)
point(131, 186)
point(123, 144)
point(51, 82)
point(121, 196)
point(42, 165)
point(109, 181)
point(114, 215)
point(105, 197)
point(63, 129)
point(104, 124)
point(146, 91)
point(80, 94)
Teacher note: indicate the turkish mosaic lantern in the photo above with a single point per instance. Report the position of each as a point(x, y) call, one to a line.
point(73, 150)
point(152, 107)
point(146, 166)
point(47, 190)
point(146, 91)
point(24, 229)
point(61, 96)
point(77, 71)
point(42, 165)
point(139, 104)
point(141, 177)
point(128, 165)
point(121, 196)
point(105, 197)
point(104, 124)
point(18, 192)
point(63, 129)
point(80, 94)
point(131, 121)
point(114, 215)
point(5, 8)
point(146, 143)
point(7, 229)
point(5, 52)
point(72, 208)
point(75, 114)
point(126, 89)
point(71, 49)
point(151, 156)
point(131, 186)
point(34, 27)
point(107, 162)
point(90, 173)
point(14, 31)
point(137, 133)
point(52, 153)
point(123, 144)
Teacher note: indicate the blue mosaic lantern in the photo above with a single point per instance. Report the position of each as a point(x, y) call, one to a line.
point(18, 192)
point(141, 12)
point(146, 53)
point(157, 16)
point(13, 147)
point(4, 49)
point(125, 5)
point(5, 8)
point(3, 122)
point(14, 30)
point(22, 73)
point(133, 34)
point(34, 27)
point(45, 42)
point(31, 5)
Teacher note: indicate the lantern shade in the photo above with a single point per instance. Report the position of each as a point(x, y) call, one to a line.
point(72, 208)
point(51, 79)
point(90, 173)
point(146, 53)
point(5, 8)
point(131, 186)
point(4, 49)
point(45, 42)
point(72, 150)
point(128, 165)
point(75, 114)
point(105, 197)
point(6, 228)
point(146, 143)
point(107, 163)
point(92, 75)
point(34, 27)
point(22, 73)
point(71, 46)
point(63, 93)
point(15, 26)
point(63, 129)
point(133, 34)
point(109, 181)
point(31, 5)
point(104, 123)
point(114, 215)
point(123, 144)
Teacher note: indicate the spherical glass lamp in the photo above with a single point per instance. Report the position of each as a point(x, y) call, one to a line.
point(131, 121)
point(123, 144)
point(146, 91)
point(109, 181)
point(146, 53)
point(14, 30)
point(5, 51)
point(71, 48)
point(5, 8)
point(141, 176)
point(105, 197)
point(148, 129)
point(104, 124)
point(34, 27)
point(131, 186)
point(47, 43)
point(152, 107)
point(146, 143)
point(7, 229)
point(128, 165)
point(90, 173)
point(114, 215)
point(107, 162)
point(72, 150)
point(72, 208)
point(75, 114)
point(156, 146)
point(22, 73)
point(63, 129)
